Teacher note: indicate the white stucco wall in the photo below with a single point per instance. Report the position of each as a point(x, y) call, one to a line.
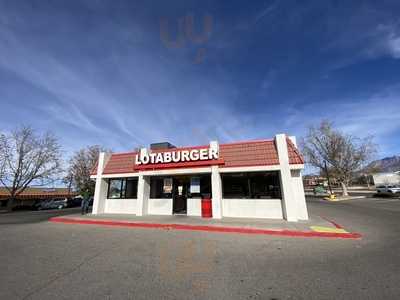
point(253, 208)
point(194, 207)
point(143, 195)
point(120, 206)
point(100, 191)
point(216, 193)
point(297, 182)
point(159, 207)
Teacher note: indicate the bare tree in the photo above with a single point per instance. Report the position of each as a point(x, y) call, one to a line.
point(368, 172)
point(344, 154)
point(27, 158)
point(80, 166)
point(2, 155)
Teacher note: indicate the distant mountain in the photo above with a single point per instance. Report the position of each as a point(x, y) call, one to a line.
point(387, 164)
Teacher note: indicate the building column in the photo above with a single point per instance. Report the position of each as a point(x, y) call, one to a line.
point(143, 195)
point(297, 179)
point(216, 189)
point(100, 191)
point(289, 202)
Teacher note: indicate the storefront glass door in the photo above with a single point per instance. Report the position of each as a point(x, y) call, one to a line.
point(180, 194)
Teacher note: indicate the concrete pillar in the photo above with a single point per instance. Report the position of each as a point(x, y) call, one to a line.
point(302, 213)
point(143, 195)
point(214, 145)
point(143, 152)
point(100, 191)
point(293, 139)
point(297, 179)
point(216, 187)
point(289, 203)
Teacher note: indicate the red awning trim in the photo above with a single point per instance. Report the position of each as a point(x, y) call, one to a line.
point(189, 164)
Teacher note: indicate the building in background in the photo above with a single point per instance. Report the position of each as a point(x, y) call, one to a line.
point(33, 195)
point(388, 178)
point(253, 179)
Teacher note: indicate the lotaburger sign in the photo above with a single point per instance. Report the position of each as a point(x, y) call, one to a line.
point(177, 156)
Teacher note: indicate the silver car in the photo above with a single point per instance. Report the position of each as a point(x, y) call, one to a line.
point(53, 204)
point(390, 190)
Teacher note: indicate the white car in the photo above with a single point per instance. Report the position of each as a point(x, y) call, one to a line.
point(391, 190)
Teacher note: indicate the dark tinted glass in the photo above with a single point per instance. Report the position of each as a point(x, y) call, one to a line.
point(257, 185)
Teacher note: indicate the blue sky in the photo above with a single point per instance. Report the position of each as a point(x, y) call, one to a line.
point(114, 73)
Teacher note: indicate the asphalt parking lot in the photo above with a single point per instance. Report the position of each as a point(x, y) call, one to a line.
point(43, 260)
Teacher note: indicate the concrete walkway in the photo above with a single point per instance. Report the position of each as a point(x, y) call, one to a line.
point(317, 226)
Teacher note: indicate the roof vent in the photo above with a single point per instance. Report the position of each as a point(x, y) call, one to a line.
point(161, 146)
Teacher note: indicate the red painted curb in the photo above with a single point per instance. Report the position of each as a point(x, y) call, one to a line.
point(290, 233)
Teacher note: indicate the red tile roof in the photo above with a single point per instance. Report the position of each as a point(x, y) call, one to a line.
point(120, 163)
point(241, 154)
point(38, 193)
point(295, 157)
point(257, 153)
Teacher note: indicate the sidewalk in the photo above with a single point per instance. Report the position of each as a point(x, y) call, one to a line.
point(315, 227)
point(352, 193)
point(338, 197)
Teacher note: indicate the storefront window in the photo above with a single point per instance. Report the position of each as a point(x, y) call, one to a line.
point(122, 188)
point(256, 185)
point(160, 187)
point(189, 186)
point(205, 186)
point(131, 188)
point(114, 188)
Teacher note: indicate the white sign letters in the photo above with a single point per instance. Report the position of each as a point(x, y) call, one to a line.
point(176, 156)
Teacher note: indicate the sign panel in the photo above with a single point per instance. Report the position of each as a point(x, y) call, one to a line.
point(195, 185)
point(167, 185)
point(177, 156)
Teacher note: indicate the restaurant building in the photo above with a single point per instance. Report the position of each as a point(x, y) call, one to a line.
point(252, 179)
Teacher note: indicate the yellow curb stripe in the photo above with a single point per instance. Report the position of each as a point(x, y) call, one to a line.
point(332, 200)
point(328, 229)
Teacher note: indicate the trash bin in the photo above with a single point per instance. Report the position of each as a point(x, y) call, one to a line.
point(206, 207)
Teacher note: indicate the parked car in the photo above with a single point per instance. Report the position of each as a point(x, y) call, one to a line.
point(53, 204)
point(390, 190)
point(319, 190)
point(75, 201)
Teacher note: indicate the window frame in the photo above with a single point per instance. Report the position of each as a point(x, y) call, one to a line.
point(157, 186)
point(250, 183)
point(122, 189)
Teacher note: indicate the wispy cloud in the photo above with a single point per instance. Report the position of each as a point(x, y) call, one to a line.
point(366, 34)
point(148, 104)
point(108, 78)
point(389, 40)
point(266, 11)
point(377, 115)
